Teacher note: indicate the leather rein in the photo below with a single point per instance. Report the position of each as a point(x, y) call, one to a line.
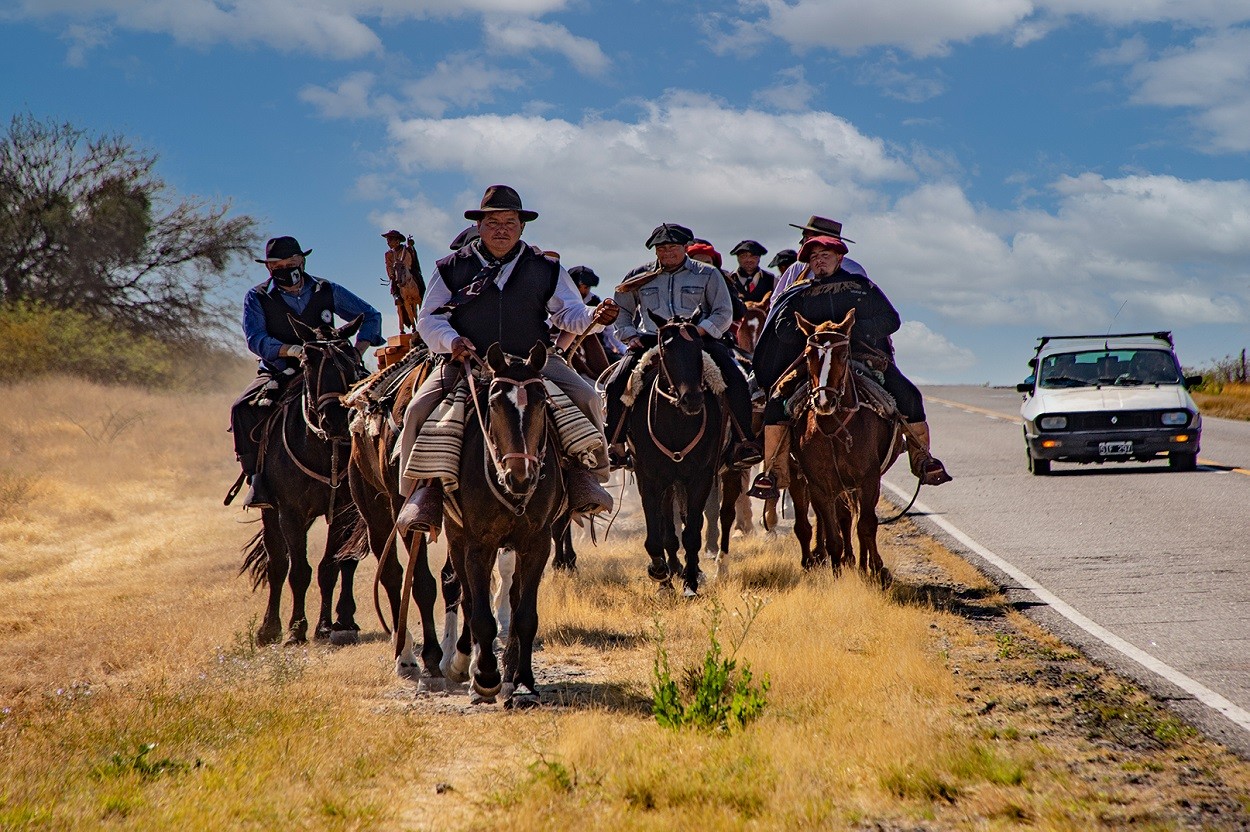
point(310, 410)
point(492, 459)
point(671, 398)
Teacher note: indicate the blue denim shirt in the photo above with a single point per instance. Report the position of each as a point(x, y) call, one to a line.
point(346, 305)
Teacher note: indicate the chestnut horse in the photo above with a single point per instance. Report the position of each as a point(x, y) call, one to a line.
point(843, 446)
point(510, 496)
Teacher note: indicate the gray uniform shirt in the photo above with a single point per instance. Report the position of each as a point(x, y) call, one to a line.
point(670, 294)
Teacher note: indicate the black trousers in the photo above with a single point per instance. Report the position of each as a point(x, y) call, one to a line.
point(246, 417)
point(906, 395)
point(737, 389)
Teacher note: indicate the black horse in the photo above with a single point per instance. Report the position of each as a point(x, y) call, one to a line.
point(677, 428)
point(304, 460)
point(510, 496)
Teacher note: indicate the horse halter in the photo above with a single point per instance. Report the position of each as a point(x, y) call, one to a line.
point(335, 354)
point(685, 329)
point(823, 344)
point(492, 458)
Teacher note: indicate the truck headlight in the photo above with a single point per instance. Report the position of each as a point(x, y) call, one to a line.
point(1052, 422)
point(1175, 418)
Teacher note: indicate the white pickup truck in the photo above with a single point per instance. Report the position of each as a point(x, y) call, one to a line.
point(1109, 398)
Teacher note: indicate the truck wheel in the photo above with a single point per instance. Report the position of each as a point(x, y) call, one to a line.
point(1038, 467)
point(1182, 461)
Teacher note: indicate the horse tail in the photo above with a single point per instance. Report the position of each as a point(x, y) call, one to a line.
point(356, 546)
point(256, 560)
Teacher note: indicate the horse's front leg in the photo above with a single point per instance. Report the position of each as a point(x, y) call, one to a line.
point(520, 688)
point(731, 494)
point(295, 532)
point(653, 512)
point(343, 630)
point(802, 523)
point(457, 639)
point(696, 495)
point(275, 575)
point(479, 560)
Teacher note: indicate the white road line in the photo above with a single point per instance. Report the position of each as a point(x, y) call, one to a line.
point(1196, 689)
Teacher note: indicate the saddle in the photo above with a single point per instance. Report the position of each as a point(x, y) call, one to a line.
point(712, 378)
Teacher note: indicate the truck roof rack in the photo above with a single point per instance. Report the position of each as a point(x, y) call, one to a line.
point(1161, 335)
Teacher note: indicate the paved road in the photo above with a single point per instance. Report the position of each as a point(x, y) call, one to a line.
point(1159, 559)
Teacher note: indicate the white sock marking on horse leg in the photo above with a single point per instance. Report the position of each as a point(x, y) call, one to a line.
point(451, 632)
point(406, 664)
point(503, 600)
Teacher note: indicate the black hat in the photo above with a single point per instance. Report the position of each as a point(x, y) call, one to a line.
point(394, 233)
point(784, 259)
point(750, 247)
point(465, 237)
point(584, 276)
point(670, 233)
point(280, 248)
point(500, 198)
point(824, 227)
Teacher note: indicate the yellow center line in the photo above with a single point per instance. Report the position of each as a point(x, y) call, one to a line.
point(994, 414)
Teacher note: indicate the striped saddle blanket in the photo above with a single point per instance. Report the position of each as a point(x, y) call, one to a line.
point(436, 451)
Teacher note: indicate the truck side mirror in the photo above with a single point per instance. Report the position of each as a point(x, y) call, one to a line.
point(1024, 387)
point(1193, 381)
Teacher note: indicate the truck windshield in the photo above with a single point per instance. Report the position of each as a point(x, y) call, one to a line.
point(1098, 367)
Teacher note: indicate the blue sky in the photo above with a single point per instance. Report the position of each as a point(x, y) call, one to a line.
point(1008, 168)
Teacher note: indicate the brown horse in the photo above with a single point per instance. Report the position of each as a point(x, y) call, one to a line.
point(374, 478)
point(843, 446)
point(510, 496)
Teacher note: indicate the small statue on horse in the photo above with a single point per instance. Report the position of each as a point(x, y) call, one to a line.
point(403, 273)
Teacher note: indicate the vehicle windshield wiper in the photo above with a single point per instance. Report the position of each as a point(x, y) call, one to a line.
point(1128, 381)
point(1064, 381)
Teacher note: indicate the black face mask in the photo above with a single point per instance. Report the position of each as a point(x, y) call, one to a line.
point(288, 277)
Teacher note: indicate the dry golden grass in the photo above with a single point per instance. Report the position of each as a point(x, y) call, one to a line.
point(1232, 402)
point(930, 705)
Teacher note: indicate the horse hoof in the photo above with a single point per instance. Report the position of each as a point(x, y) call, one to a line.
point(522, 699)
point(486, 694)
point(886, 577)
point(344, 638)
point(690, 592)
point(455, 667)
point(658, 573)
point(476, 698)
point(266, 637)
point(323, 634)
point(407, 670)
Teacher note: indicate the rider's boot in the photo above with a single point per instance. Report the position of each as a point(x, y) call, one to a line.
point(927, 468)
point(745, 453)
point(586, 496)
point(257, 493)
point(776, 461)
point(423, 511)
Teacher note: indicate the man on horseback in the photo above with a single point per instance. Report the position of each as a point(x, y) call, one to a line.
point(498, 289)
point(750, 281)
point(674, 285)
point(826, 292)
point(290, 292)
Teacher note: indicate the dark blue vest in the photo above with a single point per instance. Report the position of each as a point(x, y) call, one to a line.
point(318, 312)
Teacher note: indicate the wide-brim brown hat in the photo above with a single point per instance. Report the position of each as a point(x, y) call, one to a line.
point(500, 198)
point(393, 233)
point(280, 248)
point(823, 225)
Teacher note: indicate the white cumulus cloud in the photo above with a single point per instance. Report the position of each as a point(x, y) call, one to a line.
point(520, 36)
point(924, 354)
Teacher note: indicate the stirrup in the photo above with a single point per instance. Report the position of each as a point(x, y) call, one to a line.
point(625, 460)
point(764, 487)
point(745, 455)
point(934, 472)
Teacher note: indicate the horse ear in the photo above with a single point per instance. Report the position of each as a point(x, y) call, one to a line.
point(848, 321)
point(495, 358)
point(348, 331)
point(303, 331)
point(538, 358)
point(805, 326)
point(659, 322)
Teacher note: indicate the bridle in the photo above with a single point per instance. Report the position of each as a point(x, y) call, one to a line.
point(823, 344)
point(334, 353)
point(684, 329)
point(492, 458)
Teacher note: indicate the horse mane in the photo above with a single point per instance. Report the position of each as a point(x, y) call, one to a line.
point(712, 378)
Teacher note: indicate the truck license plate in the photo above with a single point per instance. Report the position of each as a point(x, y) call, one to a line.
point(1115, 448)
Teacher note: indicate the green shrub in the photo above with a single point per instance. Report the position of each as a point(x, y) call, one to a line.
point(39, 340)
point(718, 695)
